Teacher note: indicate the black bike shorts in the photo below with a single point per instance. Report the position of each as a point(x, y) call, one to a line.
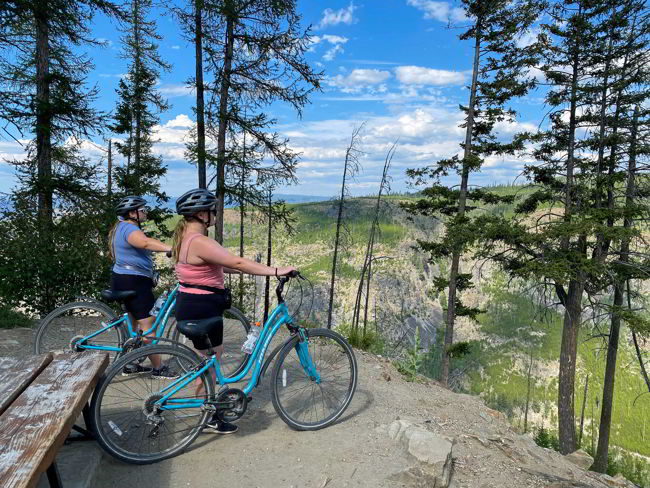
point(194, 306)
point(141, 304)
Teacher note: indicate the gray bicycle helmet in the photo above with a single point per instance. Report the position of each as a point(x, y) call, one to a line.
point(194, 201)
point(129, 203)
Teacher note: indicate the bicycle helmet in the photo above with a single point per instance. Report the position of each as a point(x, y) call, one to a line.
point(129, 203)
point(194, 201)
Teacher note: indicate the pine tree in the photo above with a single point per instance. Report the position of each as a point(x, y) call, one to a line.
point(267, 66)
point(498, 75)
point(138, 110)
point(43, 94)
point(576, 215)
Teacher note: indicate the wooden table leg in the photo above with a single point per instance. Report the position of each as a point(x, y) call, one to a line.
point(86, 435)
point(53, 476)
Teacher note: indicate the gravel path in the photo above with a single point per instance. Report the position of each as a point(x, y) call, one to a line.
point(356, 451)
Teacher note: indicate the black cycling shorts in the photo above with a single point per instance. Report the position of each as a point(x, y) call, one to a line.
point(141, 304)
point(194, 306)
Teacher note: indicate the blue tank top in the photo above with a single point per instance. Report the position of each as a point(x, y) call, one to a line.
point(129, 259)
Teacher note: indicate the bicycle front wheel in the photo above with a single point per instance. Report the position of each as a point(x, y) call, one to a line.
point(123, 414)
point(311, 400)
point(235, 329)
point(76, 320)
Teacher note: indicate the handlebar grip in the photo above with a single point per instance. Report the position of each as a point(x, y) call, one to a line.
point(294, 274)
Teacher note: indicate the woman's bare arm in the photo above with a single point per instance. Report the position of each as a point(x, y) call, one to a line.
point(138, 239)
point(210, 251)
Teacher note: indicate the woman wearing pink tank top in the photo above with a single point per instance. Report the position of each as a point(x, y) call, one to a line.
point(201, 261)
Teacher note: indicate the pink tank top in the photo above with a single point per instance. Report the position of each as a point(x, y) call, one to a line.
point(197, 274)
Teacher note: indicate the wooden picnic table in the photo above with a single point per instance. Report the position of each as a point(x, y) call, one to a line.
point(40, 399)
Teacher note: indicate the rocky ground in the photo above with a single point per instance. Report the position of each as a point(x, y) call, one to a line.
point(394, 434)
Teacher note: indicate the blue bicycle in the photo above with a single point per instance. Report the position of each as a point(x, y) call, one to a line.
point(93, 325)
point(143, 419)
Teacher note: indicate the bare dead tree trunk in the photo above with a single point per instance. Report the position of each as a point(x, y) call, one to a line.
point(350, 168)
point(109, 184)
point(582, 412)
point(223, 125)
point(268, 259)
point(384, 185)
point(365, 312)
point(530, 370)
point(241, 225)
point(200, 107)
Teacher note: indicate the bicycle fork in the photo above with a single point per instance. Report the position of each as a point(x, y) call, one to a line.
point(302, 349)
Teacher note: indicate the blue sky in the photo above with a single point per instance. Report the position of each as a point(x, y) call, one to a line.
point(395, 65)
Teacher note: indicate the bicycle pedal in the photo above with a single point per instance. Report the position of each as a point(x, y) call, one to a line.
point(249, 399)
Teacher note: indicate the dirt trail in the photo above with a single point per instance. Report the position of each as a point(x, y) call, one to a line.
point(356, 451)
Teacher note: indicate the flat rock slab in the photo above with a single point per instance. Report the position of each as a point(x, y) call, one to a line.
point(580, 458)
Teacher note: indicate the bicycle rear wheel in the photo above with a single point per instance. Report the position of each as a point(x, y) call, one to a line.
point(122, 406)
point(78, 319)
point(311, 403)
point(235, 329)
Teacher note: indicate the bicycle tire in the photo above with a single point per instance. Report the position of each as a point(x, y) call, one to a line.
point(62, 324)
point(235, 329)
point(115, 423)
point(291, 401)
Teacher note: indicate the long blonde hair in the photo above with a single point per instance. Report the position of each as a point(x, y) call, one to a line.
point(111, 237)
point(177, 239)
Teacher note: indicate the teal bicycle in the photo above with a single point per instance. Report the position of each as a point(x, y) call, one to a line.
point(143, 419)
point(93, 325)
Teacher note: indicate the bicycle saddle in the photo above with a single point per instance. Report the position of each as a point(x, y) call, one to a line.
point(117, 296)
point(198, 328)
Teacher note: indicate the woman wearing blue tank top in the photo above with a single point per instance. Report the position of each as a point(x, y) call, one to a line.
point(131, 251)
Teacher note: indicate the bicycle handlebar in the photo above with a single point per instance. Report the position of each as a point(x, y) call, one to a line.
point(282, 281)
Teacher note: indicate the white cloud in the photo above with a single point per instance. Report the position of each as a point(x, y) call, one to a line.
point(176, 47)
point(417, 75)
point(331, 53)
point(173, 90)
point(341, 16)
point(527, 38)
point(441, 11)
point(358, 79)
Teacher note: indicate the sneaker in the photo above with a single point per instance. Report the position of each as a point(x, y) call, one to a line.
point(133, 368)
point(219, 427)
point(164, 372)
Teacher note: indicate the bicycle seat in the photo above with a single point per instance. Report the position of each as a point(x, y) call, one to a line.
point(195, 329)
point(117, 296)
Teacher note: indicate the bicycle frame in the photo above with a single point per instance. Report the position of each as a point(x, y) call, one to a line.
point(279, 316)
point(158, 325)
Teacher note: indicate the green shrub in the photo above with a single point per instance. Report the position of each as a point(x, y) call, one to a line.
point(411, 365)
point(368, 341)
point(10, 319)
point(546, 438)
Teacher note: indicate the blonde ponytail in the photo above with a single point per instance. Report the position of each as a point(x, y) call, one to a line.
point(177, 239)
point(111, 237)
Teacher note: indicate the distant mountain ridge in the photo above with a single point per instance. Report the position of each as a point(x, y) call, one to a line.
point(171, 204)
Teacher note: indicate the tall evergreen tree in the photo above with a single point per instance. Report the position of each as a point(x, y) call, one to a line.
point(498, 75)
point(255, 53)
point(43, 95)
point(139, 107)
point(576, 214)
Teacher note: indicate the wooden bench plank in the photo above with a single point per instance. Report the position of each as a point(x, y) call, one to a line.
point(16, 374)
point(39, 420)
